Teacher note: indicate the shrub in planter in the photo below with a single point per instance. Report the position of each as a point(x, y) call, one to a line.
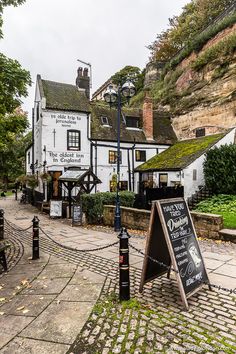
point(92, 204)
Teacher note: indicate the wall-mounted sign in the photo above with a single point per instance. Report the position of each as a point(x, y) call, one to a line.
point(172, 240)
point(56, 208)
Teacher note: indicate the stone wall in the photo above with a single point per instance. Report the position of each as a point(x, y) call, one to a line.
point(206, 225)
point(131, 218)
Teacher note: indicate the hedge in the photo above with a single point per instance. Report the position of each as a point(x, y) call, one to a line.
point(92, 204)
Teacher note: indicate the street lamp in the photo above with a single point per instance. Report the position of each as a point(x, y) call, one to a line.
point(111, 96)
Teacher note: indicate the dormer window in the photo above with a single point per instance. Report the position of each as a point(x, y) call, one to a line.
point(132, 122)
point(104, 120)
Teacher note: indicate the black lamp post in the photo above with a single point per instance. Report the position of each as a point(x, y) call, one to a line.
point(111, 96)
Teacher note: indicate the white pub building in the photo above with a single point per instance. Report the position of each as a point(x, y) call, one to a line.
point(70, 133)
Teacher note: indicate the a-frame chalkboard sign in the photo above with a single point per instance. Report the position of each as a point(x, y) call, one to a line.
point(172, 240)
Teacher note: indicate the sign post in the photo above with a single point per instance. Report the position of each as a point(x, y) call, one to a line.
point(172, 240)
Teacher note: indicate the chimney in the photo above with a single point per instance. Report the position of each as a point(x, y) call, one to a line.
point(148, 117)
point(83, 81)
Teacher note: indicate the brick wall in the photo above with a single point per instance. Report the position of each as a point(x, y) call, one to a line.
point(206, 225)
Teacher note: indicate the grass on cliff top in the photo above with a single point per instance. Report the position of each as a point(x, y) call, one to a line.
point(222, 204)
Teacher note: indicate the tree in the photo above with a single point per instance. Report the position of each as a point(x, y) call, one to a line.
point(13, 121)
point(220, 169)
point(196, 15)
point(13, 142)
point(129, 72)
point(4, 3)
point(13, 84)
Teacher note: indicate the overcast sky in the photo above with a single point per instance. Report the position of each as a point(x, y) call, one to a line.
point(48, 36)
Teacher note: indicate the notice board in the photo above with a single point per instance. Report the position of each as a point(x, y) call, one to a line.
point(77, 215)
point(172, 240)
point(56, 208)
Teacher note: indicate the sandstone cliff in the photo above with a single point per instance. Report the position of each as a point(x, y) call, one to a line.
point(200, 92)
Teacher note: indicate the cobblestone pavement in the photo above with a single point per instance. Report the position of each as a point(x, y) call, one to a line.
point(154, 321)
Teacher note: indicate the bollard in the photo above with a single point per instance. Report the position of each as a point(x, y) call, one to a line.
point(1, 224)
point(124, 282)
point(35, 238)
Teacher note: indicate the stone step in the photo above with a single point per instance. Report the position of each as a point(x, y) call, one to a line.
point(228, 235)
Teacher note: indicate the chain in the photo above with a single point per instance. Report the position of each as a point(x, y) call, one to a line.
point(219, 287)
point(17, 229)
point(153, 259)
point(75, 249)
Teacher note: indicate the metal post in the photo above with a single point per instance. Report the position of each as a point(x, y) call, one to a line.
point(124, 281)
point(117, 221)
point(16, 185)
point(35, 248)
point(1, 224)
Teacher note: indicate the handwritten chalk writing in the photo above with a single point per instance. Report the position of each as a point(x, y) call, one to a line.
point(174, 224)
point(193, 279)
point(182, 254)
point(183, 262)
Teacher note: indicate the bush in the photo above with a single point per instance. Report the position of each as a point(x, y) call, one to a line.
point(92, 204)
point(223, 48)
point(220, 169)
point(200, 40)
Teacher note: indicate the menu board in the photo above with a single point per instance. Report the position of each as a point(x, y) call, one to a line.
point(56, 208)
point(184, 244)
point(172, 240)
point(77, 214)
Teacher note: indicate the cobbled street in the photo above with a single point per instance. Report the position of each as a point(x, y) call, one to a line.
point(152, 322)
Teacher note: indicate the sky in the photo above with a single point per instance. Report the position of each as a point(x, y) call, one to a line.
point(48, 36)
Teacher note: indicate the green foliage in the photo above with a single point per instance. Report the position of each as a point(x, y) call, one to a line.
point(221, 204)
point(93, 203)
point(220, 169)
point(129, 72)
point(13, 84)
point(4, 3)
point(225, 47)
point(183, 31)
point(200, 40)
point(12, 145)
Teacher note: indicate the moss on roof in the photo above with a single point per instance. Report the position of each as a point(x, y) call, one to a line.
point(162, 130)
point(63, 96)
point(181, 154)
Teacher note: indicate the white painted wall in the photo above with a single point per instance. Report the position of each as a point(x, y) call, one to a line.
point(105, 170)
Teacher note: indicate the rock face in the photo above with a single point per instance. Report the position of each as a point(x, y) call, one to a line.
point(204, 98)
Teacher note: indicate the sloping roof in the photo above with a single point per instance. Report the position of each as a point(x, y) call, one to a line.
point(180, 155)
point(62, 96)
point(163, 131)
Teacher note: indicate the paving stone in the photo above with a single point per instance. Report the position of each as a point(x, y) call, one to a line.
point(58, 323)
point(82, 292)
point(46, 286)
point(28, 305)
point(24, 345)
point(58, 271)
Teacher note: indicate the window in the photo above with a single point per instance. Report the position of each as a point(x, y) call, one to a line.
point(104, 120)
point(123, 185)
point(200, 132)
point(194, 175)
point(37, 112)
point(132, 122)
point(113, 156)
point(163, 179)
point(140, 155)
point(28, 157)
point(73, 140)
